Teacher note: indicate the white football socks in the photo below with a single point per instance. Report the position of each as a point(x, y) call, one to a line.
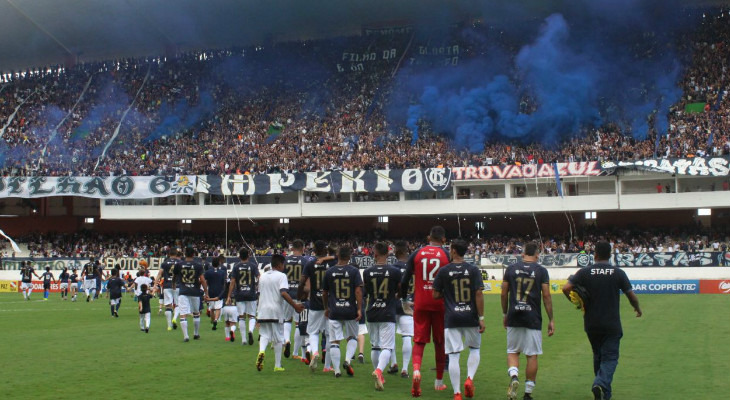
point(407, 352)
point(472, 363)
point(383, 359)
point(455, 372)
point(334, 353)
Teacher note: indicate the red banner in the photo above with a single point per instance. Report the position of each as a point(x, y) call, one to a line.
point(715, 287)
point(590, 168)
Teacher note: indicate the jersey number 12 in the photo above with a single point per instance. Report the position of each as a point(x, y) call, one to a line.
point(429, 275)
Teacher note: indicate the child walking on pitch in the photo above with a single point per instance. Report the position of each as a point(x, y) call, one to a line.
point(114, 287)
point(144, 309)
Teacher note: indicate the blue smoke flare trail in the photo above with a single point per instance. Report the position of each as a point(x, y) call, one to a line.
point(595, 63)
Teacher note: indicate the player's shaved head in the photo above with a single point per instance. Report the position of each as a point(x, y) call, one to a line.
point(401, 249)
point(459, 246)
point(297, 244)
point(437, 234)
point(320, 248)
point(381, 249)
point(603, 250)
point(532, 249)
point(189, 252)
point(277, 261)
point(344, 253)
point(243, 254)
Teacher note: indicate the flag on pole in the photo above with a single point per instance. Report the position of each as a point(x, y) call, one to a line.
point(558, 183)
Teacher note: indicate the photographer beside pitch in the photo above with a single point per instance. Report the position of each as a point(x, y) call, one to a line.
point(596, 290)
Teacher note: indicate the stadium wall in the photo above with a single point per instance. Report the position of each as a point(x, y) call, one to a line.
point(638, 273)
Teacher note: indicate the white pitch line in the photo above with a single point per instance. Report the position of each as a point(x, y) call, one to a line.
point(39, 310)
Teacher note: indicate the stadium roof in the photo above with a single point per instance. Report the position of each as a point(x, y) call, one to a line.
point(46, 32)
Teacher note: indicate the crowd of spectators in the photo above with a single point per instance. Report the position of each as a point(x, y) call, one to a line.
point(87, 243)
point(294, 106)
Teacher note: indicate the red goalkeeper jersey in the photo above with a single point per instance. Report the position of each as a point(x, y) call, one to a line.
point(423, 265)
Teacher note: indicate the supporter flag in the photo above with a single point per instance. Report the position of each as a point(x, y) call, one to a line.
point(274, 131)
point(695, 107)
point(557, 180)
point(709, 140)
point(80, 133)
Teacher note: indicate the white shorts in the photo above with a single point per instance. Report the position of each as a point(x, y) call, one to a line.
point(317, 322)
point(247, 307)
point(274, 331)
point(341, 330)
point(89, 284)
point(289, 312)
point(26, 285)
point(229, 314)
point(405, 325)
point(382, 335)
point(524, 340)
point(64, 285)
point(458, 338)
point(215, 305)
point(114, 302)
point(189, 305)
point(362, 329)
point(170, 296)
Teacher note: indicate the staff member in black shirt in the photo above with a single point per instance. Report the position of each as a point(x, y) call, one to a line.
point(602, 321)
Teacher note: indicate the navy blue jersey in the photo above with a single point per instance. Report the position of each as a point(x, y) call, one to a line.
point(245, 274)
point(303, 319)
point(401, 265)
point(293, 268)
point(340, 283)
point(187, 275)
point(602, 282)
point(47, 277)
point(26, 274)
point(216, 279)
point(114, 286)
point(525, 294)
point(459, 283)
point(144, 298)
point(168, 272)
point(90, 271)
point(63, 278)
point(381, 285)
point(73, 277)
point(315, 273)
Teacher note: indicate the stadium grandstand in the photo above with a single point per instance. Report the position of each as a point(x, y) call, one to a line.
point(160, 131)
point(261, 198)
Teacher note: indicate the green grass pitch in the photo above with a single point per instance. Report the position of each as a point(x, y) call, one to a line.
point(64, 350)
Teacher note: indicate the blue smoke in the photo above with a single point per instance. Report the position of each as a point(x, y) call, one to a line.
point(181, 116)
point(586, 67)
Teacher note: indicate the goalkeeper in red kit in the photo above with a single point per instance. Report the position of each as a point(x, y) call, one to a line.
point(428, 313)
